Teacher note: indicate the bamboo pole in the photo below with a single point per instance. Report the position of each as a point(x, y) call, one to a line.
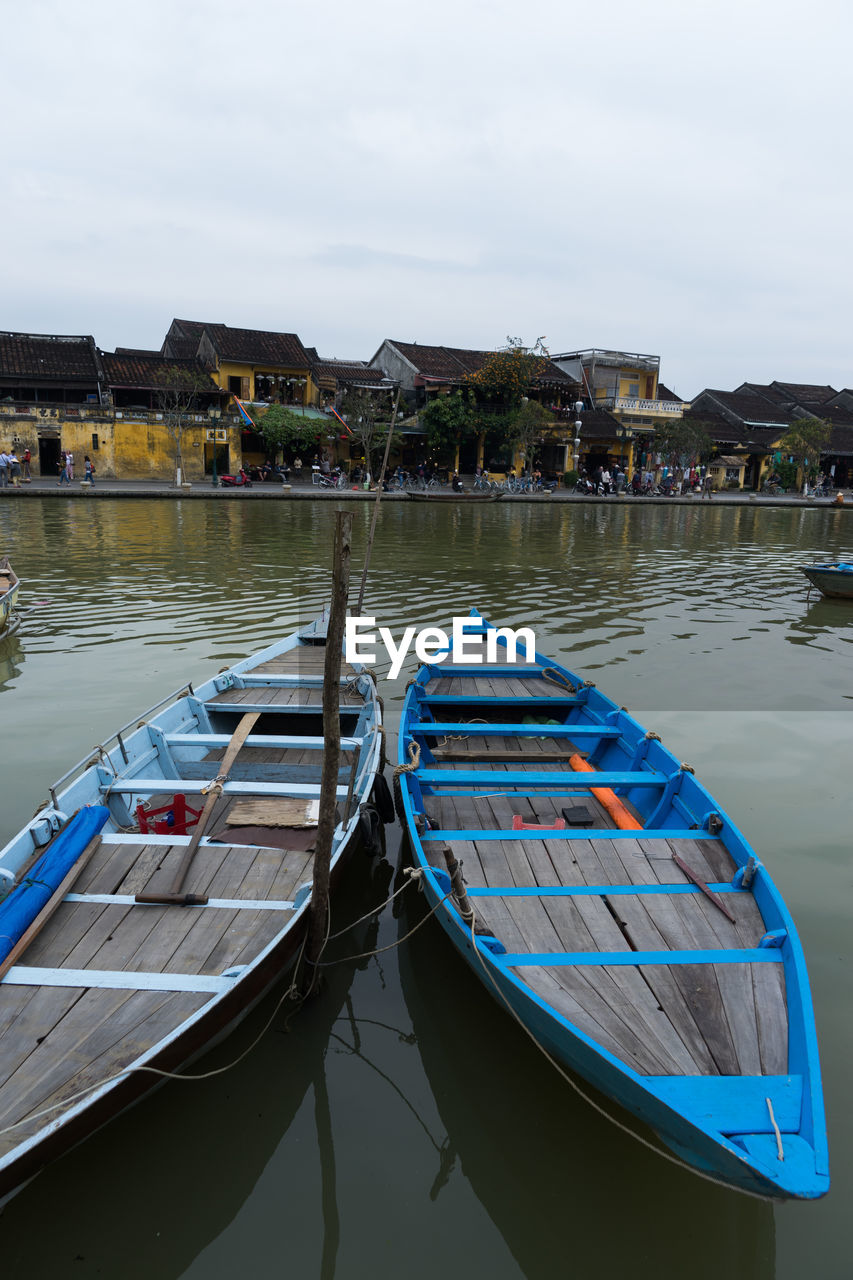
point(376, 505)
point(331, 746)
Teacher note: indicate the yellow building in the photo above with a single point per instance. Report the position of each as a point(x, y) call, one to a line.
point(125, 409)
point(257, 365)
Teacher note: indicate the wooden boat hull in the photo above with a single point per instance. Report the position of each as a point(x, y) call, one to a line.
point(9, 585)
point(114, 988)
point(618, 963)
point(835, 580)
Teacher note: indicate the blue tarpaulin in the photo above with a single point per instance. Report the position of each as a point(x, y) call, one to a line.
point(26, 900)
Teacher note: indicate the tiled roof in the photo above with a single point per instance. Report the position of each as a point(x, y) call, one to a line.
point(453, 364)
point(243, 346)
point(39, 356)
point(747, 405)
point(597, 424)
point(723, 431)
point(136, 351)
point(345, 370)
point(151, 372)
point(447, 363)
point(806, 393)
point(664, 393)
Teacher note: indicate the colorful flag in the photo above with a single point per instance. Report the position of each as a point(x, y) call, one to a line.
point(341, 421)
point(243, 414)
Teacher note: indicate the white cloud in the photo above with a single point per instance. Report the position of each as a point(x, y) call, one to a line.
point(666, 177)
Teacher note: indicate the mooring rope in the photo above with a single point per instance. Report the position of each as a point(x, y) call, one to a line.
point(291, 993)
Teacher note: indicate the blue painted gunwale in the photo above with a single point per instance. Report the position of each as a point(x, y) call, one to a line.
point(144, 745)
point(835, 580)
point(683, 1110)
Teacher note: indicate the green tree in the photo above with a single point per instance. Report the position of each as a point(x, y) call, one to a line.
point(367, 414)
point(804, 441)
point(448, 421)
point(526, 426)
point(506, 376)
point(684, 442)
point(178, 401)
point(284, 429)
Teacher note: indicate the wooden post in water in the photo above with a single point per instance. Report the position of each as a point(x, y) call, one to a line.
point(331, 747)
point(376, 504)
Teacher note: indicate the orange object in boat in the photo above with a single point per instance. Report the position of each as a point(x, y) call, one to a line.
point(618, 811)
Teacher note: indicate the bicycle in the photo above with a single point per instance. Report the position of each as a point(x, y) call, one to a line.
point(481, 482)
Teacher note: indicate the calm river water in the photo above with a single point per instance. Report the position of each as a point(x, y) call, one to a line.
point(402, 1125)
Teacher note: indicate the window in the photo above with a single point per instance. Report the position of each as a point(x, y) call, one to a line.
point(94, 442)
point(633, 388)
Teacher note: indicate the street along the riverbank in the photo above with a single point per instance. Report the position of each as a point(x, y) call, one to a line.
point(276, 492)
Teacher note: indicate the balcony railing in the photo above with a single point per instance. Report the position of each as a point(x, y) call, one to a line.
point(638, 405)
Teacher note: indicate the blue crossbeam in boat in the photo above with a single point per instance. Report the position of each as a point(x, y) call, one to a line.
point(432, 728)
point(595, 890)
point(489, 700)
point(199, 786)
point(552, 959)
point(734, 1105)
point(452, 834)
point(439, 670)
point(530, 778)
point(279, 741)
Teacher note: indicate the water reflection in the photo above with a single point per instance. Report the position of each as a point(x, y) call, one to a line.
point(11, 659)
point(542, 1163)
point(152, 1207)
point(460, 1151)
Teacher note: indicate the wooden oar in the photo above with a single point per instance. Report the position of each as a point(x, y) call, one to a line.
point(35, 926)
point(700, 884)
point(174, 896)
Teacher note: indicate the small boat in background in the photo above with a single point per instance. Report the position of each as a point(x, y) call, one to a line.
point(615, 910)
point(8, 592)
point(165, 887)
point(834, 579)
point(454, 495)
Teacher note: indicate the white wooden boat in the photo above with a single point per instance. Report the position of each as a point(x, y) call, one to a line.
point(149, 939)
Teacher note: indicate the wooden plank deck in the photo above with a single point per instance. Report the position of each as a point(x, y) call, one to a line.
point(660, 1019)
point(58, 1040)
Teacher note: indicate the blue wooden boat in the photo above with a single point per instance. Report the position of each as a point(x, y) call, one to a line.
point(834, 579)
point(9, 585)
point(164, 888)
point(617, 911)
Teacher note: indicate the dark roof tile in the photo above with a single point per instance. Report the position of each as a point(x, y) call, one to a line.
point(39, 356)
point(151, 372)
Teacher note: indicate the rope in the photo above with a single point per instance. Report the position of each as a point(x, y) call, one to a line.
point(155, 1071)
point(644, 1142)
point(292, 992)
point(414, 761)
point(558, 678)
point(416, 873)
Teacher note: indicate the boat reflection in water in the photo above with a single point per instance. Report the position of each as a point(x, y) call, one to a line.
point(193, 1157)
point(550, 1172)
point(11, 659)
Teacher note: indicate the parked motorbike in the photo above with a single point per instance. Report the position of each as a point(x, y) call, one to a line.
point(239, 481)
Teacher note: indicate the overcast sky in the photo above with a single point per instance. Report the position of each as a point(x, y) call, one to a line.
point(671, 177)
